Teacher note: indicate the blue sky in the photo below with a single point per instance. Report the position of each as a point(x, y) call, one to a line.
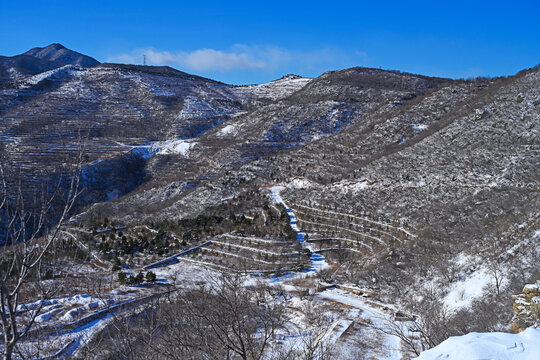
point(243, 42)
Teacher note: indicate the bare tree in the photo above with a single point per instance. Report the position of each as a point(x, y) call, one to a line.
point(28, 233)
point(497, 271)
point(314, 344)
point(405, 332)
point(223, 319)
point(422, 332)
point(227, 318)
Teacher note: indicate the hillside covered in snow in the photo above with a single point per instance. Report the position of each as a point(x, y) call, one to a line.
point(360, 214)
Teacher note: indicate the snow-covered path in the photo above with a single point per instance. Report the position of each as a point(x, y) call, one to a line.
point(318, 262)
point(252, 238)
point(247, 248)
point(390, 345)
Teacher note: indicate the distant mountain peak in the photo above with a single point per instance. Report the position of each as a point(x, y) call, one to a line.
point(56, 46)
point(60, 54)
point(290, 77)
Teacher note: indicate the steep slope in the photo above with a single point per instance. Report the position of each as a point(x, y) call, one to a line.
point(462, 174)
point(323, 106)
point(47, 118)
point(418, 189)
point(454, 163)
point(482, 146)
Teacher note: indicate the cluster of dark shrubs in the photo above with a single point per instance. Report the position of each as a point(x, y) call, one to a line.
point(228, 217)
point(120, 244)
point(138, 279)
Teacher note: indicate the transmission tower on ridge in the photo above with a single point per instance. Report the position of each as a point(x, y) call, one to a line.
point(144, 59)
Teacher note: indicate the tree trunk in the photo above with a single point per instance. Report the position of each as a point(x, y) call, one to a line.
point(8, 352)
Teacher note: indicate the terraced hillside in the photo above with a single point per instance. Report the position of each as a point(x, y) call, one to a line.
point(394, 178)
point(252, 255)
point(362, 233)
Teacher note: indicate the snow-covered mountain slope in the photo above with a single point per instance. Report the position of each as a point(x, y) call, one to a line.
point(332, 106)
point(110, 103)
point(275, 90)
point(422, 190)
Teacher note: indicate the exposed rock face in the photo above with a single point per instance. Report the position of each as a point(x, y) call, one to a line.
point(526, 307)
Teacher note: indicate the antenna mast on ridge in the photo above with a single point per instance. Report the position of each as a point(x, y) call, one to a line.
point(144, 59)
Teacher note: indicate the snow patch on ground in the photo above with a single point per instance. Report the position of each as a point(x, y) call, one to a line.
point(33, 80)
point(77, 299)
point(347, 185)
point(172, 147)
point(462, 293)
point(483, 346)
point(299, 183)
point(532, 288)
point(419, 127)
point(228, 129)
point(277, 89)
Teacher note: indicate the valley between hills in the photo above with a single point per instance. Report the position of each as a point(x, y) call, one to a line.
point(362, 214)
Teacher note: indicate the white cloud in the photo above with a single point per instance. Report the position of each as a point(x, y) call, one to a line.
point(125, 59)
point(362, 54)
point(243, 57)
point(200, 60)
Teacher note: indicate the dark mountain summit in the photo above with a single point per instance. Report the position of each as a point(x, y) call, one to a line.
point(60, 54)
point(41, 59)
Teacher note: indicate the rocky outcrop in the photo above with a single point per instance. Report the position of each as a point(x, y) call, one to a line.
point(527, 307)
